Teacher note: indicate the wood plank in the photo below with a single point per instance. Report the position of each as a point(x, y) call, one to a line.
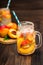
point(10, 56)
point(32, 5)
point(23, 4)
point(30, 12)
point(37, 58)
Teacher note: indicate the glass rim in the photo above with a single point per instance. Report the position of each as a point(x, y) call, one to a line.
point(27, 22)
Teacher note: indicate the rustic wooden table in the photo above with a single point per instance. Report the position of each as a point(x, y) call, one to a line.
point(9, 56)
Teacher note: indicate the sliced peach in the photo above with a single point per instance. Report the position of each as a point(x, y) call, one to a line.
point(13, 26)
point(25, 42)
point(21, 35)
point(19, 41)
point(3, 30)
point(30, 36)
point(12, 33)
point(28, 50)
point(6, 14)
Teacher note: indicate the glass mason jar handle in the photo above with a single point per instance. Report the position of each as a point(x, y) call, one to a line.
point(40, 39)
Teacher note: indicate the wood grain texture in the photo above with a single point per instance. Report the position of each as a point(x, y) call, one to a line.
point(23, 4)
point(11, 57)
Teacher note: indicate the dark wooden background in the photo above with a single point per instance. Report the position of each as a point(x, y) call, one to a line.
point(28, 10)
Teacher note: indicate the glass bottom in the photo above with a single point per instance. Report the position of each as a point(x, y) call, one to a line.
point(27, 51)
